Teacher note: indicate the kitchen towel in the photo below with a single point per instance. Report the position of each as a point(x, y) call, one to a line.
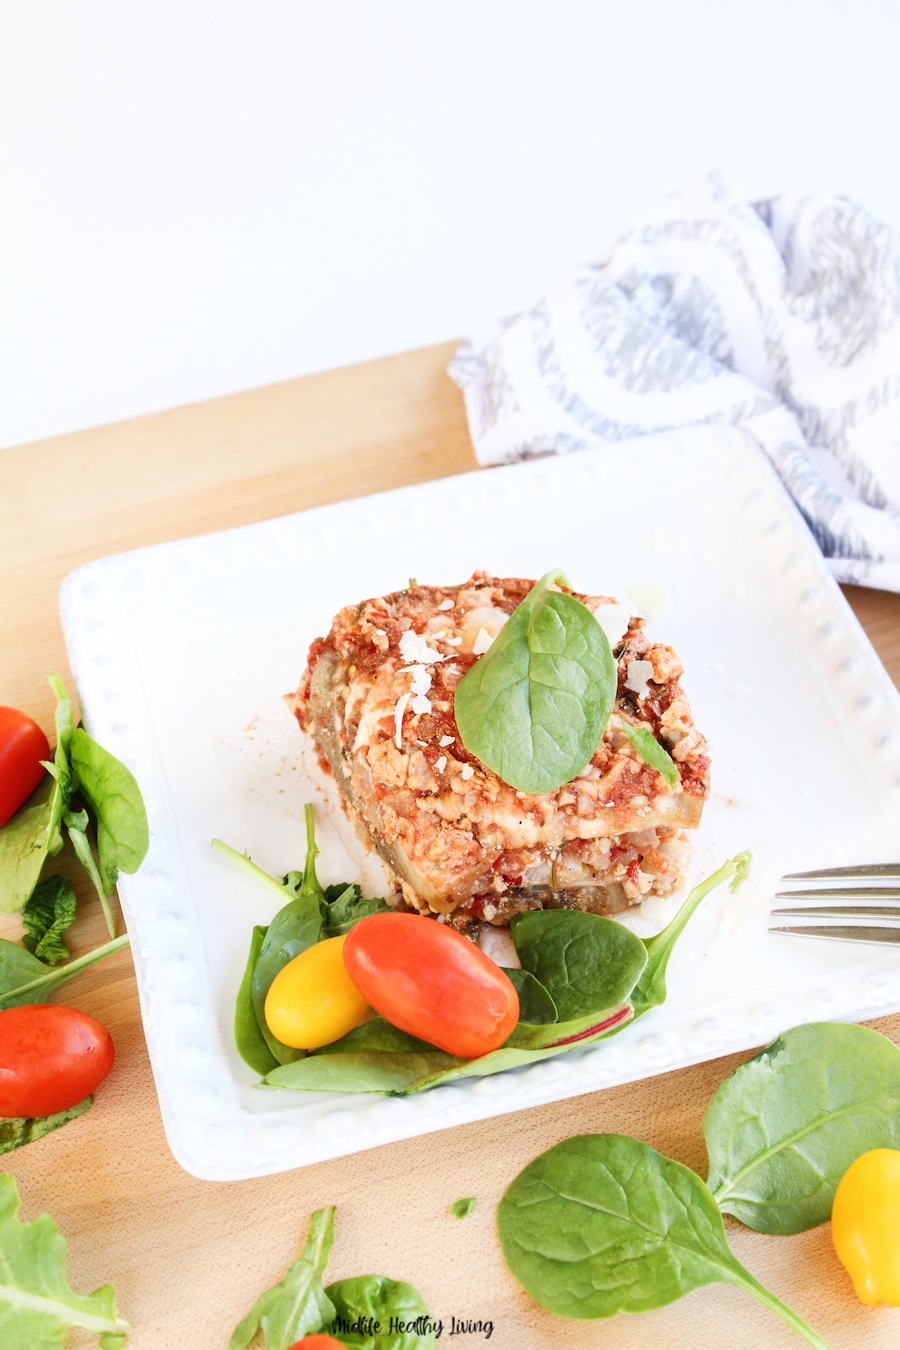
point(781, 317)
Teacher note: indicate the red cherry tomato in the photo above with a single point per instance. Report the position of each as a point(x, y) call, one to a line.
point(50, 1058)
point(22, 747)
point(317, 1341)
point(432, 982)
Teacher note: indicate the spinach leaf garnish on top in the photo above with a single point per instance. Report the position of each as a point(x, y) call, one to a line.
point(534, 707)
point(602, 1223)
point(784, 1128)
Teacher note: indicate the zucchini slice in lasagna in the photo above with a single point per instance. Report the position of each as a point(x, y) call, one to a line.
point(377, 696)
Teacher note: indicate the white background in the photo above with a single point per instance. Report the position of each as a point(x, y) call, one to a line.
point(201, 196)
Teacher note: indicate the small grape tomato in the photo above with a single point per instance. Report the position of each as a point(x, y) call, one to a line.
point(51, 1058)
point(865, 1225)
point(22, 747)
point(432, 982)
point(312, 1001)
point(319, 1340)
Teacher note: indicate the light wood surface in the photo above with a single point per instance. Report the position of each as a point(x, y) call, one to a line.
point(187, 1258)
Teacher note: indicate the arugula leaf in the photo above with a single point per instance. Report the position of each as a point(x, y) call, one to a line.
point(16, 1131)
point(584, 961)
point(650, 990)
point(25, 845)
point(116, 806)
point(650, 751)
point(49, 911)
point(784, 1128)
point(25, 979)
point(37, 1304)
point(536, 1007)
point(535, 706)
point(373, 1301)
point(298, 1305)
point(249, 1039)
point(461, 1209)
point(602, 1223)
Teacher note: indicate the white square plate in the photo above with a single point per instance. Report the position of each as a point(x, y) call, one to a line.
point(182, 652)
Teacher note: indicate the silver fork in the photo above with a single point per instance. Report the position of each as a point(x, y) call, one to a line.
point(886, 888)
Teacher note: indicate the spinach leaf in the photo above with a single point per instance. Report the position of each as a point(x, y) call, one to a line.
point(784, 1128)
point(650, 751)
point(650, 990)
point(298, 1305)
point(603, 1223)
point(367, 1307)
point(37, 1303)
point(461, 1209)
point(249, 1039)
point(375, 1034)
point(16, 1132)
point(536, 1007)
point(584, 961)
point(116, 806)
point(25, 979)
point(535, 706)
point(295, 927)
point(49, 911)
point(347, 908)
point(25, 845)
point(364, 1071)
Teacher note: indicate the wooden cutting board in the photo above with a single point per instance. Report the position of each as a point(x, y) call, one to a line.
point(187, 1258)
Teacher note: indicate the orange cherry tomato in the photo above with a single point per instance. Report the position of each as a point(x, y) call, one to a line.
point(317, 1341)
point(51, 1058)
point(432, 982)
point(22, 747)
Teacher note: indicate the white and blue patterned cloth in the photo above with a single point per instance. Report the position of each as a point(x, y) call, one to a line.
point(781, 317)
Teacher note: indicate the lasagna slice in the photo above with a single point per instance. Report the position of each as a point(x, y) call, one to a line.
point(377, 696)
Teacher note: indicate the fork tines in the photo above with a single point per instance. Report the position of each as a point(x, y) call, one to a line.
point(875, 895)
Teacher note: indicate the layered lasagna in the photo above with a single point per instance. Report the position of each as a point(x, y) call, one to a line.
point(378, 698)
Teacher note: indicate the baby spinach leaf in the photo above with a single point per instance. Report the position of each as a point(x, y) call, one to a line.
point(602, 1223)
point(784, 1128)
point(348, 908)
point(295, 927)
point(650, 751)
point(298, 1305)
point(37, 1304)
point(536, 1007)
point(564, 1035)
point(50, 910)
point(461, 1209)
point(25, 845)
point(367, 1307)
point(116, 805)
point(16, 1132)
point(25, 979)
point(535, 706)
point(584, 961)
point(650, 990)
point(375, 1034)
point(363, 1071)
point(251, 1043)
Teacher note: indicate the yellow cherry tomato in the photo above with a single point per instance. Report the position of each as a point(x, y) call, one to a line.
point(312, 1001)
point(865, 1225)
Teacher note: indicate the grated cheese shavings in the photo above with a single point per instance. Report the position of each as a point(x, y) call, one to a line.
point(446, 604)
point(467, 772)
point(421, 704)
point(446, 740)
point(415, 649)
point(482, 642)
point(398, 720)
point(441, 763)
